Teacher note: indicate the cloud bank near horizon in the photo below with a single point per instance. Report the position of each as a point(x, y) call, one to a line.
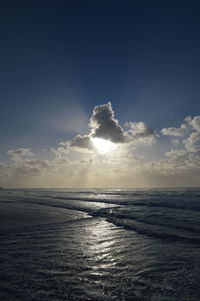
point(75, 162)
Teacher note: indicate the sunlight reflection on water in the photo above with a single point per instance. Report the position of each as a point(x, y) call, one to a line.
point(60, 254)
point(100, 239)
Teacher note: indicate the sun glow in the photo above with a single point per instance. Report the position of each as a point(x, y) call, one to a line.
point(103, 146)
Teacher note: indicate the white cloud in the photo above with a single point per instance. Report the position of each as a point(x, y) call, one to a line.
point(62, 150)
point(192, 143)
point(193, 160)
point(27, 171)
point(176, 132)
point(176, 153)
point(128, 166)
point(19, 153)
point(30, 168)
point(139, 132)
point(194, 122)
point(36, 163)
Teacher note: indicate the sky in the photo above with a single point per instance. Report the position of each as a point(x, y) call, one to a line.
point(100, 93)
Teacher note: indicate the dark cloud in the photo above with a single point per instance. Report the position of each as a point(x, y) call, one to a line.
point(104, 125)
point(82, 142)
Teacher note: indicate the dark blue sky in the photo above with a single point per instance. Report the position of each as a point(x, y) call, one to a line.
point(143, 56)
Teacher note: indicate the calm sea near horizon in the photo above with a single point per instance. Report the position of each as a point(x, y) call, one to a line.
point(100, 244)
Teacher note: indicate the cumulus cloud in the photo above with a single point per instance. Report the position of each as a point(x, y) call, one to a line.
point(27, 171)
point(189, 132)
point(133, 164)
point(193, 160)
point(174, 154)
point(138, 131)
point(176, 132)
point(104, 125)
point(26, 168)
point(190, 124)
point(189, 138)
point(84, 142)
point(62, 150)
point(19, 153)
point(192, 143)
point(194, 122)
point(37, 163)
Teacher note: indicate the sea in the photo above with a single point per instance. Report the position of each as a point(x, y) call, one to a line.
point(100, 244)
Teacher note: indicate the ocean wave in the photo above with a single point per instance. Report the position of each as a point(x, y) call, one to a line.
point(94, 256)
point(176, 218)
point(159, 231)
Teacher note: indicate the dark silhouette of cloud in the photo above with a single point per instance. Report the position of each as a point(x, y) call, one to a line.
point(82, 142)
point(104, 125)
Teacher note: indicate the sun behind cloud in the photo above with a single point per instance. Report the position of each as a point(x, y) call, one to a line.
point(103, 146)
point(104, 126)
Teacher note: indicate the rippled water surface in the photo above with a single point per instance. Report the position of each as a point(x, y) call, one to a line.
point(95, 244)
